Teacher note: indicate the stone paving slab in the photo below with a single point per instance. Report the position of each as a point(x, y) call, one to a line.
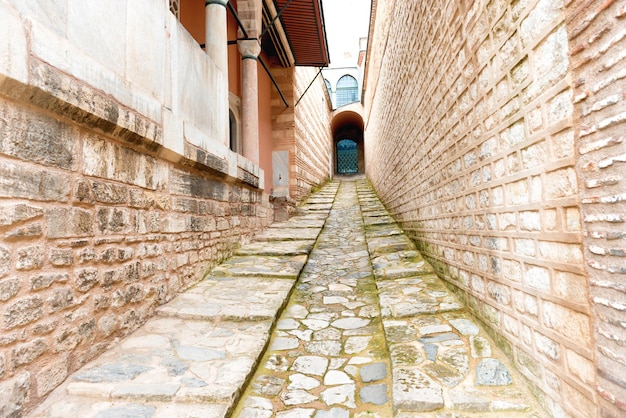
point(287, 234)
point(276, 248)
point(179, 364)
point(193, 358)
point(303, 221)
point(230, 298)
point(443, 363)
point(287, 267)
point(400, 264)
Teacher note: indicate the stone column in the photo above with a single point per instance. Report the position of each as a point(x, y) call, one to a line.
point(216, 47)
point(250, 49)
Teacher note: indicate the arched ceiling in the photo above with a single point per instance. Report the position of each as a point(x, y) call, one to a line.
point(346, 118)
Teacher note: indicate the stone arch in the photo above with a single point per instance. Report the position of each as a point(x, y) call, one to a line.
point(347, 124)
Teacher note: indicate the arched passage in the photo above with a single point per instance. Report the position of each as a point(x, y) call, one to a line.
point(348, 148)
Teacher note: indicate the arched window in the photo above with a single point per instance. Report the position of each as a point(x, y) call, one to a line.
point(347, 90)
point(329, 88)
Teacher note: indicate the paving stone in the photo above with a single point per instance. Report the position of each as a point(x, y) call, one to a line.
point(414, 391)
point(480, 347)
point(297, 397)
point(296, 413)
point(373, 372)
point(491, 371)
point(300, 381)
point(128, 411)
point(311, 365)
point(374, 394)
point(275, 248)
point(282, 343)
point(324, 348)
point(464, 326)
point(333, 413)
point(350, 323)
point(340, 395)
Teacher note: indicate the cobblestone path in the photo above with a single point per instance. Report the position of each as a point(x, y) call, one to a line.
point(328, 354)
point(364, 328)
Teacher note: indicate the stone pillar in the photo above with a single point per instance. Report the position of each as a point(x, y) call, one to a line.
point(216, 47)
point(250, 49)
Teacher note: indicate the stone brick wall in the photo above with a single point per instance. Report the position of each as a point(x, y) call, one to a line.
point(471, 144)
point(303, 130)
point(313, 155)
point(597, 43)
point(111, 202)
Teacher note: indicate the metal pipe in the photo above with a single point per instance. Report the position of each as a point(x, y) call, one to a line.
point(309, 86)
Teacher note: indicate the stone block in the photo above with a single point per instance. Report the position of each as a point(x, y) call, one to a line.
point(23, 311)
point(61, 256)
point(561, 252)
point(567, 322)
point(85, 279)
point(20, 181)
point(109, 193)
point(61, 298)
point(29, 258)
point(107, 160)
point(45, 280)
point(69, 222)
point(113, 220)
point(9, 288)
point(15, 391)
point(561, 183)
point(414, 391)
point(26, 353)
point(187, 184)
point(51, 376)
point(16, 213)
point(36, 137)
point(14, 48)
point(5, 260)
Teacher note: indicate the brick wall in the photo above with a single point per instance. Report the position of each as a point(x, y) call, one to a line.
point(597, 43)
point(303, 130)
point(470, 142)
point(106, 210)
point(313, 159)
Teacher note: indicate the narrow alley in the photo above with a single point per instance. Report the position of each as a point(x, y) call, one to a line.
point(367, 330)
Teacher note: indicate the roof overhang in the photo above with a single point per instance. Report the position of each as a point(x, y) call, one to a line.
point(303, 23)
